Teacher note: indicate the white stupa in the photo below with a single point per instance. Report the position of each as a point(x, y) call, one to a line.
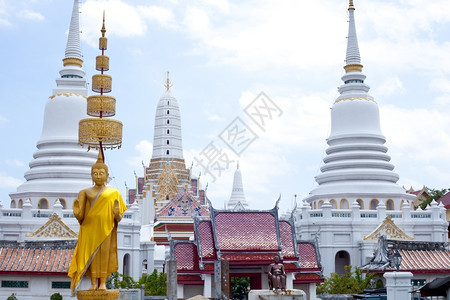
point(166, 174)
point(60, 167)
point(356, 166)
point(237, 199)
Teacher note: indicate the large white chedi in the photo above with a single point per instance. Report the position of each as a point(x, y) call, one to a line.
point(60, 167)
point(356, 167)
point(357, 198)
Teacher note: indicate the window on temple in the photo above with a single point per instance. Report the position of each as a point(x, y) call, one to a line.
point(167, 142)
point(14, 284)
point(63, 203)
point(344, 203)
point(333, 203)
point(389, 204)
point(373, 204)
point(168, 131)
point(43, 204)
point(167, 152)
point(361, 203)
point(13, 204)
point(168, 121)
point(167, 111)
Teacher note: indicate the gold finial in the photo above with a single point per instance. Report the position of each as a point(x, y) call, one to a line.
point(350, 6)
point(103, 26)
point(168, 83)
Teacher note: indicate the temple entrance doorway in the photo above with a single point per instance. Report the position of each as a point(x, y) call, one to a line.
point(242, 283)
point(341, 260)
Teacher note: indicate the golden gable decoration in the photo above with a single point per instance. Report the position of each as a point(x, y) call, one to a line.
point(167, 184)
point(388, 229)
point(55, 229)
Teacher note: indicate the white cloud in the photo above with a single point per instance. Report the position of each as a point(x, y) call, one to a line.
point(3, 119)
point(31, 15)
point(161, 15)
point(390, 86)
point(214, 117)
point(122, 19)
point(8, 182)
point(16, 163)
point(144, 149)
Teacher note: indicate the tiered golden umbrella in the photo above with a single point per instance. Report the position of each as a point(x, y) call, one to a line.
point(99, 132)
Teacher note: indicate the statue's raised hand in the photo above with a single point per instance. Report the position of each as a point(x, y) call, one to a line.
point(116, 211)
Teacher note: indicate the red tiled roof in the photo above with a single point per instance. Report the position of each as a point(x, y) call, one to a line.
point(50, 258)
point(308, 257)
point(287, 240)
point(246, 231)
point(424, 261)
point(206, 240)
point(186, 256)
point(445, 200)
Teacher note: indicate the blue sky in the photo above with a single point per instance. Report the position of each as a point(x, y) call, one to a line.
point(221, 55)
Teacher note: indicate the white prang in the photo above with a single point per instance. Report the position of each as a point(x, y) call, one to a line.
point(237, 200)
point(167, 136)
point(60, 167)
point(357, 164)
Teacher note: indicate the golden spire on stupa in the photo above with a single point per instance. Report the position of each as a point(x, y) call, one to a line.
point(99, 132)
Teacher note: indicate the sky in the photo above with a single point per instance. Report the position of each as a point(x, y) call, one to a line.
point(221, 56)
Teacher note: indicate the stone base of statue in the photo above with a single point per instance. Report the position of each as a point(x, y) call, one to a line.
point(276, 295)
point(98, 295)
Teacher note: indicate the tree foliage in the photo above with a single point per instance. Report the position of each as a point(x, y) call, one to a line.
point(240, 286)
point(12, 297)
point(351, 282)
point(154, 284)
point(434, 194)
point(56, 296)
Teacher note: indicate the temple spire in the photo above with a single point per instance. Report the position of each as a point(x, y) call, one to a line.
point(237, 199)
point(73, 48)
point(168, 83)
point(353, 58)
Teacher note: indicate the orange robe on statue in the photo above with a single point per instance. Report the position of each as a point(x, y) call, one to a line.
point(96, 252)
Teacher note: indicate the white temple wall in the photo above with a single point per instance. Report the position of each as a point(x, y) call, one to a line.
point(345, 229)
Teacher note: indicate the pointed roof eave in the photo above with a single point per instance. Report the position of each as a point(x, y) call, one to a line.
point(352, 58)
point(73, 54)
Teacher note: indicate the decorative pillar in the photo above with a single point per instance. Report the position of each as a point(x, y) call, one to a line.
point(57, 208)
point(221, 279)
point(172, 288)
point(26, 210)
point(356, 211)
point(381, 208)
point(312, 291)
point(207, 285)
point(326, 210)
point(398, 285)
point(289, 281)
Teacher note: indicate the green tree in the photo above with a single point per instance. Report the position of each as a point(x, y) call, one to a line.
point(240, 286)
point(56, 296)
point(351, 282)
point(434, 194)
point(120, 281)
point(154, 284)
point(12, 297)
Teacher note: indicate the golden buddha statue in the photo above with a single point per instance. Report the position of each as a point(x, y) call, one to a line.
point(98, 209)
